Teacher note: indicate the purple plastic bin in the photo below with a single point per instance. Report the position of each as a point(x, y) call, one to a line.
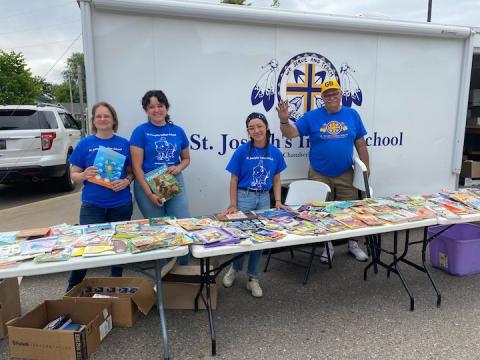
point(456, 250)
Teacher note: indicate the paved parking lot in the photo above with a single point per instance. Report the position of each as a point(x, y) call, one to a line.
point(336, 315)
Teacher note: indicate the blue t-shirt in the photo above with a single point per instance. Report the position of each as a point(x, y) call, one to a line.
point(84, 155)
point(256, 167)
point(161, 145)
point(332, 138)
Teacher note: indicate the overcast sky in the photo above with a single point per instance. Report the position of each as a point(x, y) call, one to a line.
point(48, 31)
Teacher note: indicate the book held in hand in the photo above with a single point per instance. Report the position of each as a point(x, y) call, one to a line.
point(163, 184)
point(109, 164)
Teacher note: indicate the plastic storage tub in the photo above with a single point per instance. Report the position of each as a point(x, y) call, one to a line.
point(456, 250)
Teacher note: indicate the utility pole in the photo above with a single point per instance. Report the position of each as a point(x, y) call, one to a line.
point(429, 16)
point(71, 96)
point(80, 90)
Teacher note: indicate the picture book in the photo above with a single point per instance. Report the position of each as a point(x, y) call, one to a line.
point(109, 164)
point(209, 235)
point(98, 250)
point(351, 222)
point(189, 224)
point(369, 219)
point(158, 221)
point(8, 238)
point(163, 184)
point(38, 246)
point(51, 257)
point(392, 218)
point(239, 215)
point(33, 233)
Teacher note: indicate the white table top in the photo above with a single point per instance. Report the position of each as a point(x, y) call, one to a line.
point(28, 268)
point(462, 219)
point(199, 251)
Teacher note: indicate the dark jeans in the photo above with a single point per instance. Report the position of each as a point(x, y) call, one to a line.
point(91, 214)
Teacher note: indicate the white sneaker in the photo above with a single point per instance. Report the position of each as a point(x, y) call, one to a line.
point(324, 256)
point(355, 250)
point(229, 277)
point(254, 286)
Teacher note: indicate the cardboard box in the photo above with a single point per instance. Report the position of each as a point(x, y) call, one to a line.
point(470, 169)
point(9, 303)
point(130, 296)
point(180, 286)
point(28, 339)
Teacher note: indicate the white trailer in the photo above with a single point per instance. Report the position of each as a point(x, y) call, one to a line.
point(217, 63)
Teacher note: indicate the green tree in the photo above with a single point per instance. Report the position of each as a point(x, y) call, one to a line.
point(17, 85)
point(61, 92)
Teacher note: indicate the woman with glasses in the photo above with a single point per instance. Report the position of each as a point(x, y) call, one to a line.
point(101, 204)
point(255, 168)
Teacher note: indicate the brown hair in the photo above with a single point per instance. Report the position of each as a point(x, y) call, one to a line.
point(112, 111)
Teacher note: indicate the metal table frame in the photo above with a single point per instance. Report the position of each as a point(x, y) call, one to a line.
point(29, 268)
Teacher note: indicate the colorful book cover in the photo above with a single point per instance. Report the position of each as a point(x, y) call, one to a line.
point(163, 184)
point(369, 219)
point(210, 235)
point(38, 246)
point(351, 222)
point(189, 224)
point(98, 250)
point(109, 164)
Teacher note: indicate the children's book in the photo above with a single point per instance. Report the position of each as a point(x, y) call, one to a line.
point(370, 220)
point(163, 184)
point(33, 233)
point(96, 228)
point(210, 235)
point(8, 238)
point(189, 224)
point(98, 250)
point(239, 215)
point(38, 246)
point(109, 164)
point(351, 222)
point(158, 221)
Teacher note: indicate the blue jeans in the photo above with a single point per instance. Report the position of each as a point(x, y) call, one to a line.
point(247, 201)
point(176, 206)
point(91, 214)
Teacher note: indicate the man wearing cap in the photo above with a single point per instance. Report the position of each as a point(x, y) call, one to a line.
point(333, 131)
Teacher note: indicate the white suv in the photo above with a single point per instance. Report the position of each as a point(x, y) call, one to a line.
point(35, 143)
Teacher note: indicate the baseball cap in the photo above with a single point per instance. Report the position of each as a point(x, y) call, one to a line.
point(329, 84)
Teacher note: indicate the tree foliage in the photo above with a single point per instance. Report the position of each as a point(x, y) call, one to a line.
point(17, 85)
point(61, 92)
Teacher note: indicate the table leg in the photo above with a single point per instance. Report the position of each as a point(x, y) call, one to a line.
point(161, 310)
point(202, 283)
point(424, 249)
point(209, 307)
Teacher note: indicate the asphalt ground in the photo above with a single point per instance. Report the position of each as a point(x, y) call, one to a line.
point(337, 315)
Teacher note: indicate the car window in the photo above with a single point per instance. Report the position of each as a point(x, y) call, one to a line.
point(68, 121)
point(27, 119)
point(73, 122)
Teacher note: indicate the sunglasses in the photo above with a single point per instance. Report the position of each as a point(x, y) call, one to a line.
point(255, 115)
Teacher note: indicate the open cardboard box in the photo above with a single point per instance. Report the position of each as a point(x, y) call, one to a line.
point(28, 339)
point(128, 295)
point(180, 286)
point(470, 169)
point(9, 303)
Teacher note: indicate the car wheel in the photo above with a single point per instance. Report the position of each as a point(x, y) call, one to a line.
point(66, 181)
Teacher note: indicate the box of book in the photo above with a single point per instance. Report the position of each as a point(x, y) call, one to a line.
point(180, 286)
point(163, 184)
point(109, 164)
point(9, 303)
point(60, 329)
point(128, 296)
point(457, 249)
